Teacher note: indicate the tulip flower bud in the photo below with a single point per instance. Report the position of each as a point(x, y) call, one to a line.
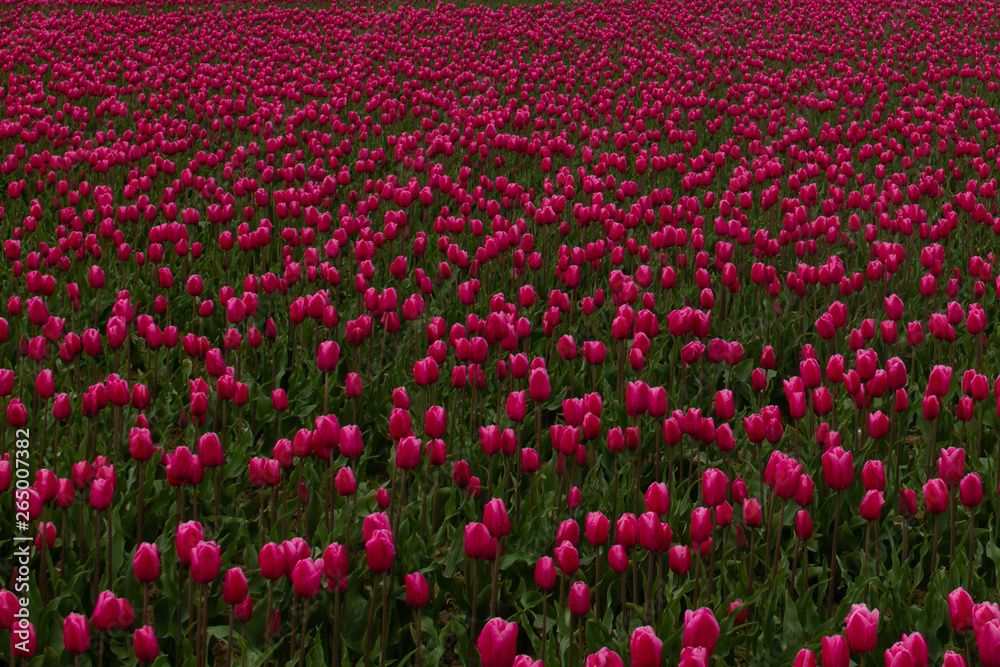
point(579, 599)
point(146, 647)
point(417, 592)
point(496, 519)
point(106, 612)
point(76, 633)
point(497, 643)
point(617, 559)
point(862, 625)
point(306, 577)
point(970, 490)
point(234, 587)
point(597, 527)
point(700, 629)
point(567, 558)
point(205, 562)
point(604, 658)
point(680, 559)
point(936, 496)
point(380, 551)
point(805, 658)
point(960, 609)
point(146, 563)
point(835, 652)
point(871, 505)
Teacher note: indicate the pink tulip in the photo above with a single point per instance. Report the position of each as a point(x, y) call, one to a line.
point(861, 628)
point(497, 643)
point(700, 629)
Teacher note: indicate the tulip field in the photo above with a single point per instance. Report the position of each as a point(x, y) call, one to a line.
point(499, 335)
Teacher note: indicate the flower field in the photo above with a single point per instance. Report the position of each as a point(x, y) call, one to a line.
point(499, 335)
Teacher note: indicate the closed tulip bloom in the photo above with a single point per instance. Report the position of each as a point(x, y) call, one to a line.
point(951, 465)
point(983, 613)
point(205, 562)
point(477, 537)
point(680, 559)
point(645, 647)
point(327, 356)
point(838, 468)
point(940, 381)
point(435, 422)
point(873, 476)
point(908, 503)
point(210, 451)
point(527, 661)
point(988, 641)
point(351, 445)
point(126, 615)
point(805, 658)
point(545, 573)
point(627, 530)
point(960, 608)
point(517, 405)
point(700, 629)
point(243, 612)
point(306, 577)
point(529, 460)
point(380, 551)
point(861, 628)
point(596, 528)
point(101, 493)
point(603, 658)
point(737, 607)
point(346, 484)
point(898, 656)
point(788, 474)
point(188, 535)
point(146, 647)
point(835, 652)
point(713, 487)
point(657, 498)
point(701, 524)
point(724, 404)
point(878, 425)
point(650, 532)
point(751, 512)
point(936, 496)
point(579, 599)
point(952, 659)
point(279, 400)
point(931, 406)
point(497, 643)
point(234, 586)
point(106, 612)
point(617, 559)
point(146, 563)
point(806, 491)
point(76, 633)
point(408, 453)
point(272, 561)
point(496, 518)
point(917, 646)
point(694, 656)
point(567, 558)
point(871, 505)
point(970, 490)
point(803, 525)
point(417, 591)
point(636, 398)
point(539, 388)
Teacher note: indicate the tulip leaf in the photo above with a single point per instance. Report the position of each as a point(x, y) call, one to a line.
point(791, 626)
